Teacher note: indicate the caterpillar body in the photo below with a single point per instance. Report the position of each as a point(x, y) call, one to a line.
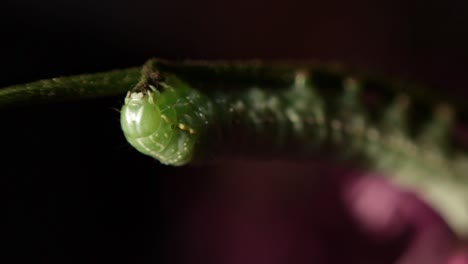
point(187, 112)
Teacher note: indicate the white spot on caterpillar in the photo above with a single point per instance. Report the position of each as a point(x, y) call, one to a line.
point(294, 117)
point(136, 96)
point(186, 128)
point(134, 117)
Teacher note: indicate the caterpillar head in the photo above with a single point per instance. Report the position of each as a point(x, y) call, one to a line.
point(150, 122)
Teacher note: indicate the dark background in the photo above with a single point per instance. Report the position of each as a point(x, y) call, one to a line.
point(76, 192)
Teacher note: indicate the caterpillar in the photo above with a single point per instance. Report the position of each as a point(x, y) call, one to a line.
point(183, 113)
point(188, 112)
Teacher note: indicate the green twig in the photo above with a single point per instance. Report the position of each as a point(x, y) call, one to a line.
point(78, 87)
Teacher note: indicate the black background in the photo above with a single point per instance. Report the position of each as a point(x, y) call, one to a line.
point(76, 192)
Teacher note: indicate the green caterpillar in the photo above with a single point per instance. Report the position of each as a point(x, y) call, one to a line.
point(187, 112)
point(179, 111)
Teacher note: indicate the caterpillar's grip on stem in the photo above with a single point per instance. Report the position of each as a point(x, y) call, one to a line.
point(185, 112)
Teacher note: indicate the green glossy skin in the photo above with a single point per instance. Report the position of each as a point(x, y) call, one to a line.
point(166, 124)
point(240, 110)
